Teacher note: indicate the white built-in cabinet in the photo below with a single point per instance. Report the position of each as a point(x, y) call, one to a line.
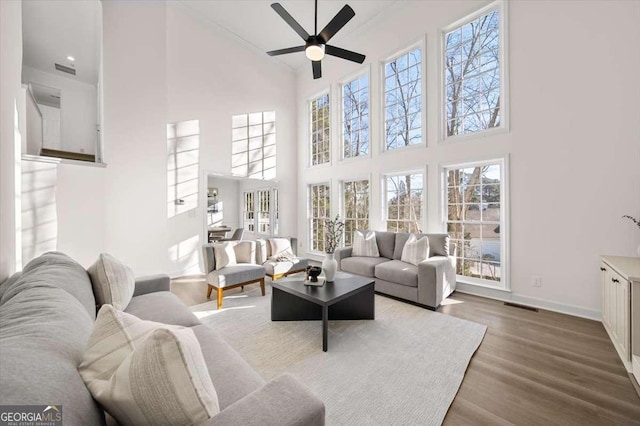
point(619, 276)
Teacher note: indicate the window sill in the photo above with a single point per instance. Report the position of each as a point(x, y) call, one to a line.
point(469, 281)
point(446, 140)
point(54, 160)
point(404, 148)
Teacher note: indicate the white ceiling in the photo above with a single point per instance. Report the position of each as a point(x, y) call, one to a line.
point(53, 30)
point(257, 24)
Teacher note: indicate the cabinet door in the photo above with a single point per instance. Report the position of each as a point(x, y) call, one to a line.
point(622, 314)
point(613, 301)
point(604, 278)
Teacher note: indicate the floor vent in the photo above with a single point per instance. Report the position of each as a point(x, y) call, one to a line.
point(515, 305)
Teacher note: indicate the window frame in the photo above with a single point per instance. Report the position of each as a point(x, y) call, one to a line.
point(502, 7)
point(342, 206)
point(424, 198)
point(310, 216)
point(505, 219)
point(262, 148)
point(274, 210)
point(325, 92)
point(422, 44)
point(353, 76)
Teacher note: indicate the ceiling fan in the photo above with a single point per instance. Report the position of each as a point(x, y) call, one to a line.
point(316, 45)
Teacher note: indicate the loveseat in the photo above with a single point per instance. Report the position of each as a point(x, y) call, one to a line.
point(427, 284)
point(46, 317)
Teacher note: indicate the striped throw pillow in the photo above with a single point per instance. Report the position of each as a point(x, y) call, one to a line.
point(147, 373)
point(365, 244)
point(113, 282)
point(415, 250)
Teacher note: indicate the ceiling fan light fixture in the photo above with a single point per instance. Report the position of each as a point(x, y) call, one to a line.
point(314, 52)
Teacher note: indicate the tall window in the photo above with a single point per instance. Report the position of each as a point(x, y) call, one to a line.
point(355, 207)
point(260, 212)
point(264, 211)
point(476, 220)
point(253, 151)
point(320, 133)
point(472, 75)
point(355, 117)
point(248, 215)
point(403, 100)
point(319, 212)
point(404, 195)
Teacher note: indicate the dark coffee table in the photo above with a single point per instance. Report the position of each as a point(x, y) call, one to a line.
point(347, 298)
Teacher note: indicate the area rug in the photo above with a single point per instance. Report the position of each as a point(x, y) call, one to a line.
point(403, 368)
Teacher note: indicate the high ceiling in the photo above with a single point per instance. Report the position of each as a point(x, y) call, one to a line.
point(256, 23)
point(53, 30)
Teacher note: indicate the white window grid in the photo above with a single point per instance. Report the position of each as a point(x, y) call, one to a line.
point(253, 152)
point(472, 61)
point(319, 213)
point(264, 211)
point(355, 117)
point(474, 196)
point(355, 207)
point(248, 214)
point(403, 100)
point(404, 202)
point(320, 133)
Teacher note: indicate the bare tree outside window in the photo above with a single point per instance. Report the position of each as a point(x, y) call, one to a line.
point(356, 208)
point(474, 218)
point(355, 117)
point(319, 109)
point(404, 202)
point(319, 212)
point(472, 76)
point(403, 100)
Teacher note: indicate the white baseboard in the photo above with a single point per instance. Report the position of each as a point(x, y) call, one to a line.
point(549, 305)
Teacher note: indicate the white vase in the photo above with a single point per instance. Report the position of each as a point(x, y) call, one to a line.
point(329, 267)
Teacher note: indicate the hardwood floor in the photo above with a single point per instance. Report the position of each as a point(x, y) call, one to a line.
point(532, 368)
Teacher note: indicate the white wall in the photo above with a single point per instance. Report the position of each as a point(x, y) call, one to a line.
point(212, 76)
point(574, 143)
point(10, 93)
point(78, 106)
point(33, 135)
point(135, 134)
point(228, 201)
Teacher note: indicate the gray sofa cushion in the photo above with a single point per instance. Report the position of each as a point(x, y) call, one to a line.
point(58, 270)
point(43, 333)
point(438, 244)
point(386, 243)
point(235, 274)
point(398, 272)
point(361, 265)
point(401, 240)
point(232, 377)
point(162, 306)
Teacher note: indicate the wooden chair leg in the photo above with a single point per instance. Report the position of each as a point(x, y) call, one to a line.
point(219, 298)
point(209, 291)
point(241, 288)
point(262, 286)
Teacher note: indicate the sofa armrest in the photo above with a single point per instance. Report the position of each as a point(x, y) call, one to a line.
point(152, 284)
point(261, 250)
point(283, 401)
point(436, 280)
point(342, 253)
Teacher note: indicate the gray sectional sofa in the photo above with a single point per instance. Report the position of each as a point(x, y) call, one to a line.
point(47, 314)
point(427, 284)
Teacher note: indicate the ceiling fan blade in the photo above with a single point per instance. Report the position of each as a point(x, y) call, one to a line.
point(285, 51)
point(317, 69)
point(338, 21)
point(344, 54)
point(289, 20)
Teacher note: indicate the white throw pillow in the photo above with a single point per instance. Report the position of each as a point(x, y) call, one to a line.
point(225, 254)
point(415, 250)
point(245, 251)
point(130, 365)
point(280, 248)
point(365, 244)
point(113, 282)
